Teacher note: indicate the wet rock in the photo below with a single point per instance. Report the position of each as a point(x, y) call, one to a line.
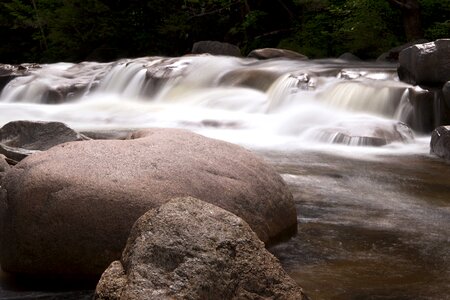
point(252, 78)
point(216, 48)
point(9, 72)
point(446, 93)
point(267, 53)
point(427, 64)
point(190, 249)
point(4, 166)
point(362, 133)
point(440, 142)
point(349, 57)
point(18, 139)
point(70, 208)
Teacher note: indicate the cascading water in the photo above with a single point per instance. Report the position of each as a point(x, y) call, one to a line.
point(288, 101)
point(373, 220)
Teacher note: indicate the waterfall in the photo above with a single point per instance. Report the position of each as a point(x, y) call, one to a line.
point(243, 100)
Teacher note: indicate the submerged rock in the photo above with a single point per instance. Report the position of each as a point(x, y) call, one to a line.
point(362, 133)
point(427, 63)
point(440, 142)
point(267, 53)
point(69, 209)
point(18, 139)
point(190, 249)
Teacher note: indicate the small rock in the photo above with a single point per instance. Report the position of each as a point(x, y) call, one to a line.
point(216, 48)
point(267, 53)
point(440, 142)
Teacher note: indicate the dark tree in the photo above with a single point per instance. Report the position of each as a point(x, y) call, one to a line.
point(412, 22)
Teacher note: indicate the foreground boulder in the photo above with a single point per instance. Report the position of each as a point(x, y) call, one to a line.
point(440, 142)
point(427, 64)
point(69, 210)
point(267, 53)
point(190, 249)
point(19, 139)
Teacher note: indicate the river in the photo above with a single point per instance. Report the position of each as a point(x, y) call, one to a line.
point(373, 205)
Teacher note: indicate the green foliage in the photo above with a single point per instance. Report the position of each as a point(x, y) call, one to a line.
point(74, 30)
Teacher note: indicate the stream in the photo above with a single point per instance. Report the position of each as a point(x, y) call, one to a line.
point(373, 206)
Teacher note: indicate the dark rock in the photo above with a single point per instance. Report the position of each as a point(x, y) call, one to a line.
point(216, 48)
point(4, 166)
point(446, 93)
point(427, 64)
point(428, 109)
point(252, 78)
point(18, 139)
point(392, 54)
point(440, 142)
point(70, 208)
point(190, 249)
point(349, 57)
point(267, 53)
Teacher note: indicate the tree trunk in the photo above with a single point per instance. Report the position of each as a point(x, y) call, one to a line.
point(411, 13)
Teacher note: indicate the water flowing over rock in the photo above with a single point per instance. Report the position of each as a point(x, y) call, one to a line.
point(363, 133)
point(215, 48)
point(267, 53)
point(427, 63)
point(69, 209)
point(190, 249)
point(440, 142)
point(19, 139)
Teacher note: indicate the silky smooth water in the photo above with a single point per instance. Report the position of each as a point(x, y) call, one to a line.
point(373, 221)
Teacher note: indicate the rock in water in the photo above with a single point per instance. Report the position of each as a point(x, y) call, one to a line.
point(440, 142)
point(69, 209)
point(267, 53)
point(427, 63)
point(18, 139)
point(190, 249)
point(215, 48)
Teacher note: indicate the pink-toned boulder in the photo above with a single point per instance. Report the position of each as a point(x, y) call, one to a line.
point(69, 209)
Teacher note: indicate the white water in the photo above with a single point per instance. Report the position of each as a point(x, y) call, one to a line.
point(269, 104)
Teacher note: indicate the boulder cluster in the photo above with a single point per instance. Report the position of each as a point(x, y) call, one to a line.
point(67, 210)
point(427, 65)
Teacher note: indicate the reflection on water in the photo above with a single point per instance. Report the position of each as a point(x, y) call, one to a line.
point(368, 229)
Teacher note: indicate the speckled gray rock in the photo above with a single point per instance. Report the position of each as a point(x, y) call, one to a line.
point(4, 166)
point(190, 249)
point(70, 209)
point(215, 48)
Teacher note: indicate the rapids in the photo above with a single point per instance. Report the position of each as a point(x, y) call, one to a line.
point(373, 205)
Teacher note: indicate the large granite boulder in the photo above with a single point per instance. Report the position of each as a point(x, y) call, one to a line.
point(216, 48)
point(190, 249)
point(427, 64)
point(69, 209)
point(18, 139)
point(440, 142)
point(267, 53)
